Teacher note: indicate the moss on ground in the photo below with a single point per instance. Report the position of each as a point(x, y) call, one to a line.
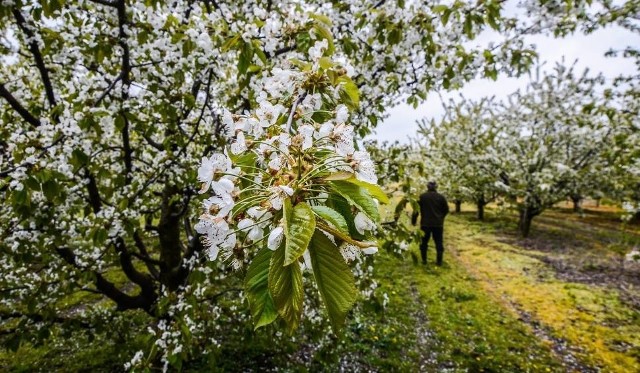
point(603, 330)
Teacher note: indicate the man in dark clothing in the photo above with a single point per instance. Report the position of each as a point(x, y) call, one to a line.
point(433, 209)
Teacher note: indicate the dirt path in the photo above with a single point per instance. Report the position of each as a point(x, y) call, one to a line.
point(426, 340)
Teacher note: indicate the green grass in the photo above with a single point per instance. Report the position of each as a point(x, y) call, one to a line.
point(435, 320)
point(473, 331)
point(601, 329)
point(474, 314)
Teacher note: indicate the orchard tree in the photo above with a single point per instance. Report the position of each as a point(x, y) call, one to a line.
point(554, 135)
point(624, 157)
point(402, 168)
point(463, 145)
point(449, 179)
point(562, 18)
point(117, 113)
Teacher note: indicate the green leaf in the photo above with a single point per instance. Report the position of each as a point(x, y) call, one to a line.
point(189, 100)
point(326, 63)
point(322, 18)
point(399, 207)
point(304, 66)
point(51, 189)
point(468, 27)
point(445, 16)
point(333, 277)
point(79, 158)
point(230, 43)
point(332, 216)
point(326, 34)
point(245, 58)
point(256, 285)
point(298, 229)
point(439, 8)
point(374, 189)
point(119, 122)
point(341, 175)
point(285, 286)
point(341, 205)
point(357, 196)
point(257, 48)
point(350, 89)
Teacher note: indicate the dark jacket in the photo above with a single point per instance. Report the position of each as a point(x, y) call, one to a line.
point(433, 209)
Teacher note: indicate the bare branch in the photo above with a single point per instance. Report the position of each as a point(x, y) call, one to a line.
point(37, 56)
point(105, 2)
point(21, 110)
point(107, 288)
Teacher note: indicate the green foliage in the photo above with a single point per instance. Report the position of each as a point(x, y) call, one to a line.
point(299, 224)
point(373, 189)
point(332, 216)
point(285, 286)
point(263, 309)
point(334, 278)
point(358, 196)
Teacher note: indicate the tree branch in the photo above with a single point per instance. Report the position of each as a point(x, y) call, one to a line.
point(94, 194)
point(37, 56)
point(145, 257)
point(125, 74)
point(281, 51)
point(141, 279)
point(123, 301)
point(106, 92)
point(21, 110)
point(105, 2)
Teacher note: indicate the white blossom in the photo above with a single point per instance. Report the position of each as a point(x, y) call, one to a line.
point(275, 238)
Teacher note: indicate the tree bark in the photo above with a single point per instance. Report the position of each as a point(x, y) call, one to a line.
point(576, 202)
point(171, 246)
point(458, 204)
point(480, 203)
point(526, 217)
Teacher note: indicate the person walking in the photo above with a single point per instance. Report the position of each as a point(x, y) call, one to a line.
point(433, 209)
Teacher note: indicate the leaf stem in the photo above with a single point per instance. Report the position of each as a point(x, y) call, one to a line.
point(345, 238)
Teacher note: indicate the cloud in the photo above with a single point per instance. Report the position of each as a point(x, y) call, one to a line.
point(588, 50)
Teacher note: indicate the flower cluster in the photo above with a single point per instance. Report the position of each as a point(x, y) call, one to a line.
point(275, 158)
point(292, 169)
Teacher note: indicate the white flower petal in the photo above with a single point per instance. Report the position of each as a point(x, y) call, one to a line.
point(275, 238)
point(287, 189)
point(370, 250)
point(244, 224)
point(363, 223)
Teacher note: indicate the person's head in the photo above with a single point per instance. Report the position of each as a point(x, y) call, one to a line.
point(432, 186)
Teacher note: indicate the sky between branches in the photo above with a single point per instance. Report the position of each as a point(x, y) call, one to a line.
point(588, 50)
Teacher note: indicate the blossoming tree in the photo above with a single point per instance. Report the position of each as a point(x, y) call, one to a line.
point(555, 137)
point(462, 150)
point(117, 115)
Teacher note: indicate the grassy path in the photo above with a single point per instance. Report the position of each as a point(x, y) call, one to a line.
point(465, 327)
point(587, 326)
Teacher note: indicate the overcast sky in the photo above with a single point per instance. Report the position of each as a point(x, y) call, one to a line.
point(588, 50)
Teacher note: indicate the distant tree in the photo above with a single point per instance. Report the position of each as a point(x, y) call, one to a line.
point(555, 139)
point(463, 147)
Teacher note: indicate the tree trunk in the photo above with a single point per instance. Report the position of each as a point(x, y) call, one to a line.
point(526, 217)
point(480, 204)
point(171, 246)
point(458, 204)
point(576, 203)
point(597, 202)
